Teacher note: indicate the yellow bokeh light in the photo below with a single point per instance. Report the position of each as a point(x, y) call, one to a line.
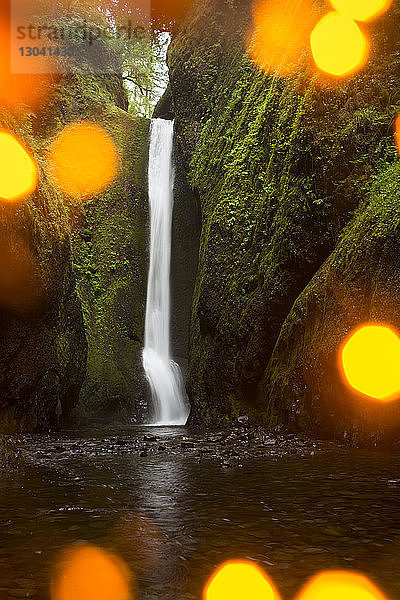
point(338, 45)
point(280, 34)
point(332, 585)
point(397, 133)
point(370, 362)
point(237, 580)
point(361, 10)
point(18, 171)
point(90, 573)
point(19, 88)
point(83, 160)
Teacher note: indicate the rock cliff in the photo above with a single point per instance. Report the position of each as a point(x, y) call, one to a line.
point(297, 186)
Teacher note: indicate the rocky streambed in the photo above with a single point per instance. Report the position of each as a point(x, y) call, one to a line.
point(174, 505)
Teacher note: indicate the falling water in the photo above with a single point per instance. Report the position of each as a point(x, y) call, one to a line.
point(171, 406)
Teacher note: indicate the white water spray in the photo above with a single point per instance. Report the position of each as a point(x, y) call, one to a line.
point(171, 406)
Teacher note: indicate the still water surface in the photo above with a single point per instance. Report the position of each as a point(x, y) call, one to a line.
point(174, 516)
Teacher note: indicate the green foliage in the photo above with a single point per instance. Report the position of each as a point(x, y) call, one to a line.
point(145, 74)
point(125, 51)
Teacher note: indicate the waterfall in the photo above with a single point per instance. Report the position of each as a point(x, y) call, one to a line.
point(170, 402)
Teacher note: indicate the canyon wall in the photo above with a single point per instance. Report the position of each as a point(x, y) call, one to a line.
point(297, 186)
point(72, 312)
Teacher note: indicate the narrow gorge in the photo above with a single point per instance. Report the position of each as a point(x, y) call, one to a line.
point(271, 210)
point(199, 299)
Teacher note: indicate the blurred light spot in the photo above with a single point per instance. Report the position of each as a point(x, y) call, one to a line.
point(18, 171)
point(338, 45)
point(370, 359)
point(90, 573)
point(280, 34)
point(361, 10)
point(334, 585)
point(238, 580)
point(397, 133)
point(83, 160)
point(30, 89)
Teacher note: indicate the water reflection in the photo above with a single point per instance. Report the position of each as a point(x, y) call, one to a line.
point(162, 494)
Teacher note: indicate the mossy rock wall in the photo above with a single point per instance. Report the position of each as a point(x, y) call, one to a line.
point(281, 167)
point(43, 358)
point(43, 344)
point(359, 283)
point(109, 240)
point(72, 328)
point(111, 263)
point(186, 228)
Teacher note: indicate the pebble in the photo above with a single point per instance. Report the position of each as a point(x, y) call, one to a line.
point(187, 445)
